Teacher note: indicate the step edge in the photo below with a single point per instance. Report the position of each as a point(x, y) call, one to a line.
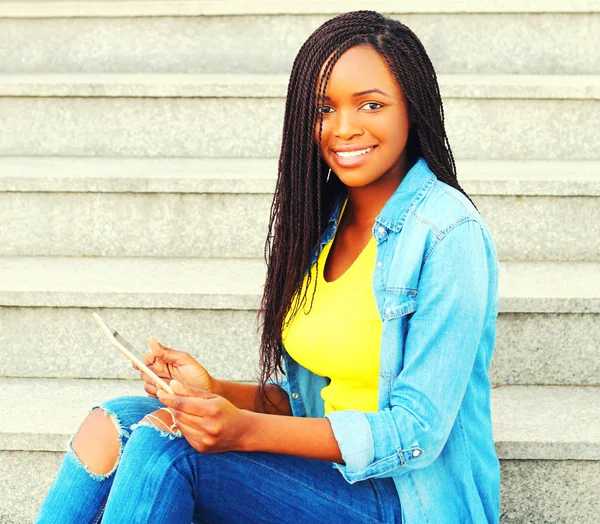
point(129, 8)
point(178, 85)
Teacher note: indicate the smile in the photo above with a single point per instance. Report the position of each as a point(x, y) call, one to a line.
point(349, 154)
point(352, 159)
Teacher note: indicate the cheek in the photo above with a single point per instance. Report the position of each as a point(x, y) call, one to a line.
point(395, 131)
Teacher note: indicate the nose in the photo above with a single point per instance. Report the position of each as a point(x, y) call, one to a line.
point(346, 125)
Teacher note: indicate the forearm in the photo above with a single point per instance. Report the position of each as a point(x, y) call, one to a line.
point(303, 437)
point(247, 396)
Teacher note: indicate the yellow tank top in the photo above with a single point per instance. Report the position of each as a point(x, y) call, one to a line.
point(340, 337)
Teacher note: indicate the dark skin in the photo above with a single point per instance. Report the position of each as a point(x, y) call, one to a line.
point(216, 416)
point(371, 119)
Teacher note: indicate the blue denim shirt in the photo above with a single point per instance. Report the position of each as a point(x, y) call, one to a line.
point(435, 284)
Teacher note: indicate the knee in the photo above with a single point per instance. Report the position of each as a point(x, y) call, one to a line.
point(97, 443)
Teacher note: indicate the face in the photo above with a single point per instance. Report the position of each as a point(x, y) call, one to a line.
point(365, 120)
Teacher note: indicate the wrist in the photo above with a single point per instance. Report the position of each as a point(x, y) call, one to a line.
point(216, 386)
point(250, 429)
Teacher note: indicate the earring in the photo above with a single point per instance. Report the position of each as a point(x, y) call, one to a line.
point(327, 179)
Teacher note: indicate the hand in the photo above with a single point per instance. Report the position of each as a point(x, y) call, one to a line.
point(210, 423)
point(172, 364)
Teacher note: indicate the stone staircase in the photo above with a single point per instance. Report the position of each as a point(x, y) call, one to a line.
point(138, 154)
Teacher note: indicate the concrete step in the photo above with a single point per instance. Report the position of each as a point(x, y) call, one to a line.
point(512, 117)
point(548, 327)
point(540, 37)
point(216, 207)
point(547, 440)
point(257, 175)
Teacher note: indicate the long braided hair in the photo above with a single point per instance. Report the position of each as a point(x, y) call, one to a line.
point(303, 198)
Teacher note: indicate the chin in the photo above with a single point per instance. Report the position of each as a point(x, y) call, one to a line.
point(353, 182)
point(357, 181)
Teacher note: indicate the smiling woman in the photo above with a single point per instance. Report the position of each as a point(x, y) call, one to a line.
point(369, 125)
point(384, 411)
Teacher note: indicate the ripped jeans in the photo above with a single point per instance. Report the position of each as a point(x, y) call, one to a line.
point(159, 478)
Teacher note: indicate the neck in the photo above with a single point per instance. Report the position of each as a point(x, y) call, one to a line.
point(366, 202)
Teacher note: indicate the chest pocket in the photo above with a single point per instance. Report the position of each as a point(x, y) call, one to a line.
point(398, 302)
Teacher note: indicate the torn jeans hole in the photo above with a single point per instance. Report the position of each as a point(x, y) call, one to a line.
point(122, 433)
point(171, 432)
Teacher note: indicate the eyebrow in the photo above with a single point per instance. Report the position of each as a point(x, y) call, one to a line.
point(361, 93)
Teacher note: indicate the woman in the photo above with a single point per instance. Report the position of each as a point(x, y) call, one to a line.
point(384, 412)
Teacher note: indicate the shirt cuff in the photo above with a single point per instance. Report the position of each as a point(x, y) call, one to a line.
point(352, 431)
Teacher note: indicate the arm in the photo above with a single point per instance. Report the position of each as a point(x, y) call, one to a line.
point(275, 433)
point(247, 396)
point(213, 424)
point(303, 437)
point(441, 344)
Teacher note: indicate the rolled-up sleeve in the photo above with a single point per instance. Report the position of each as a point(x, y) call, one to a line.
point(441, 345)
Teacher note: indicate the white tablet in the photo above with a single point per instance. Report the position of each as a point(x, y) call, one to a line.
point(125, 347)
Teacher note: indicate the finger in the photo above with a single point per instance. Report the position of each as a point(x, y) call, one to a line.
point(157, 370)
point(146, 360)
point(180, 389)
point(156, 348)
point(171, 356)
point(150, 359)
point(191, 426)
point(192, 423)
point(191, 405)
point(146, 378)
point(150, 389)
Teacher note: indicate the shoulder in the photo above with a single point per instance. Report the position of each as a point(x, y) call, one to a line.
point(443, 217)
point(444, 209)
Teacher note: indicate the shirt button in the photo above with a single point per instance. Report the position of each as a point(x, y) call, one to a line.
point(416, 453)
point(294, 395)
point(388, 311)
point(379, 264)
point(381, 229)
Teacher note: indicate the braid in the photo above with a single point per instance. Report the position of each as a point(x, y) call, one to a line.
point(302, 199)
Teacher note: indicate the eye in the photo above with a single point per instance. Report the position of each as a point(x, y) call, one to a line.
point(321, 109)
point(373, 104)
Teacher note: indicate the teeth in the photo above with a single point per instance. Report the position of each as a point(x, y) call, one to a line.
point(353, 153)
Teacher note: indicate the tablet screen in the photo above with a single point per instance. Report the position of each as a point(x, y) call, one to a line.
point(120, 338)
